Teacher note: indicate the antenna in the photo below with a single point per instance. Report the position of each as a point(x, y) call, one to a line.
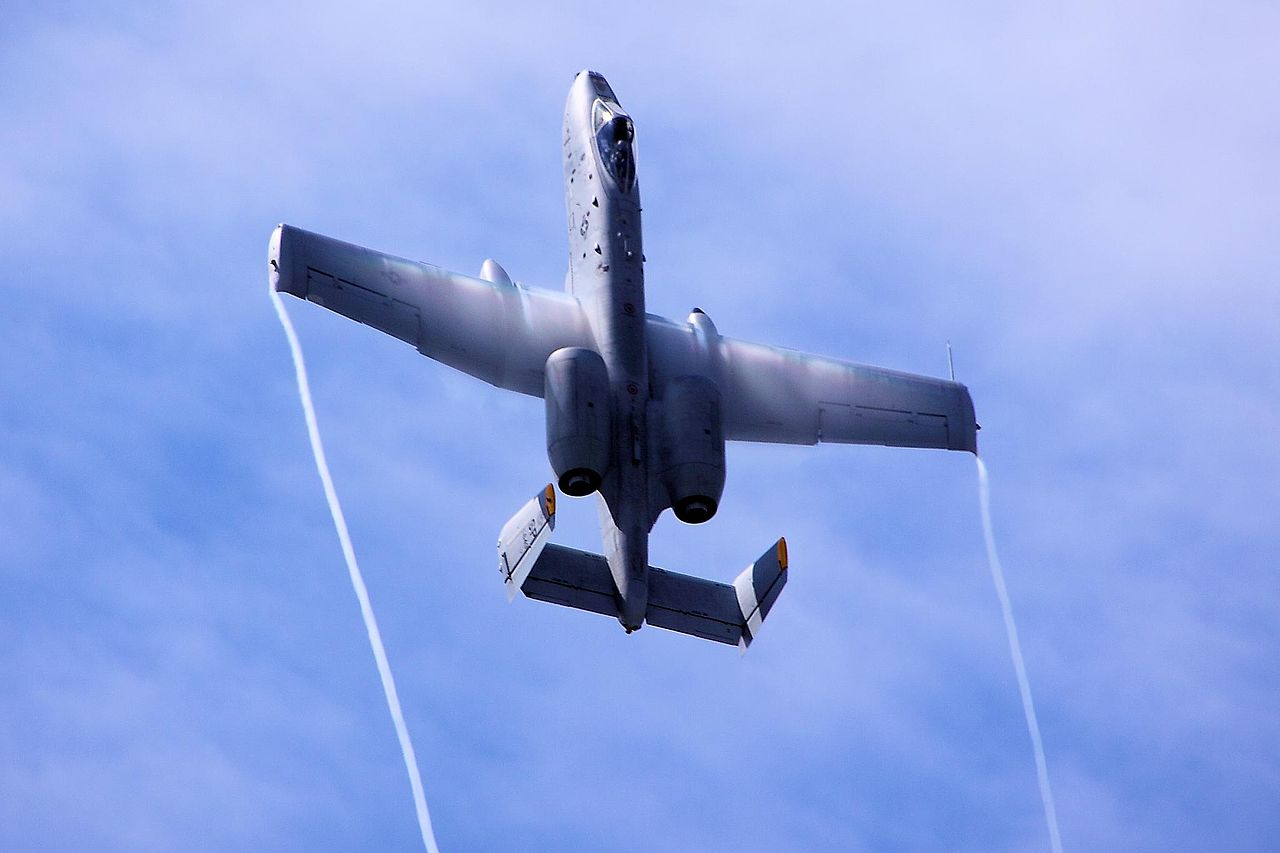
point(951, 364)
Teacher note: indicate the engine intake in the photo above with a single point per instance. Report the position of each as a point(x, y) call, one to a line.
point(692, 448)
point(578, 420)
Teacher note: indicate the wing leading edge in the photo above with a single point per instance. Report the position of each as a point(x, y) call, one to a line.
point(771, 394)
point(493, 330)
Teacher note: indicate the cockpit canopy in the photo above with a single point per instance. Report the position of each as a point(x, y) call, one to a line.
point(615, 136)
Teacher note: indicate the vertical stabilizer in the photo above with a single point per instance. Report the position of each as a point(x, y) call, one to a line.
point(523, 538)
point(758, 587)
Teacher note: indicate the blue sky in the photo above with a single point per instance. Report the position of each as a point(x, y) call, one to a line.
point(1082, 199)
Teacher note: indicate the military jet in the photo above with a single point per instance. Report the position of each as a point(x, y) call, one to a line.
point(638, 407)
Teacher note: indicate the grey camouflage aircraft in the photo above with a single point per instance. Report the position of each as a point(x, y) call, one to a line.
point(638, 407)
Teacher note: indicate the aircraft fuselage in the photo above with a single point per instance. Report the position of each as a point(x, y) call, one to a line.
point(606, 272)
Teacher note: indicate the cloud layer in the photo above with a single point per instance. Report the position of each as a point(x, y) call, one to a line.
point(1083, 201)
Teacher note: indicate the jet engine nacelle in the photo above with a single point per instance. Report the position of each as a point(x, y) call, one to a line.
point(578, 423)
point(692, 448)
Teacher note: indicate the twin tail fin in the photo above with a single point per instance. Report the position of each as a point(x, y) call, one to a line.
point(731, 613)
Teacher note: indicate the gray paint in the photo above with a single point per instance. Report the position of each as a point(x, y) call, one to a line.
point(724, 613)
point(606, 272)
point(504, 333)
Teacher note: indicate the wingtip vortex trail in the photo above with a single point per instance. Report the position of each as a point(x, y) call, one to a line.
point(357, 580)
point(1015, 651)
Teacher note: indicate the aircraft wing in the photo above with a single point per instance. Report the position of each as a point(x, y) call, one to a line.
point(782, 396)
point(496, 331)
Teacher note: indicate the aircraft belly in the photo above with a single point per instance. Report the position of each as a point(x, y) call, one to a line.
point(616, 312)
point(624, 514)
point(606, 273)
point(626, 546)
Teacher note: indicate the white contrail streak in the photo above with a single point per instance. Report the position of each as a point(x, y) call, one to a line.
point(1015, 650)
point(357, 581)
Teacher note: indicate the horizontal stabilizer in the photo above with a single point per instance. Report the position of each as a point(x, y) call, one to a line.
point(725, 613)
point(695, 606)
point(573, 578)
point(523, 538)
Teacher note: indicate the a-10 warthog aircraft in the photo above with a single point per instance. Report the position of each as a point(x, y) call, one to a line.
point(638, 407)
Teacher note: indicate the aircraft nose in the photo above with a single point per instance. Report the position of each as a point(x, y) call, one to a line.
point(593, 83)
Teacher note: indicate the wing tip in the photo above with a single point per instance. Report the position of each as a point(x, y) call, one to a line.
point(279, 272)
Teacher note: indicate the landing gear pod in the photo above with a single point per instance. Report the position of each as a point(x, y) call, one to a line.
point(577, 396)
